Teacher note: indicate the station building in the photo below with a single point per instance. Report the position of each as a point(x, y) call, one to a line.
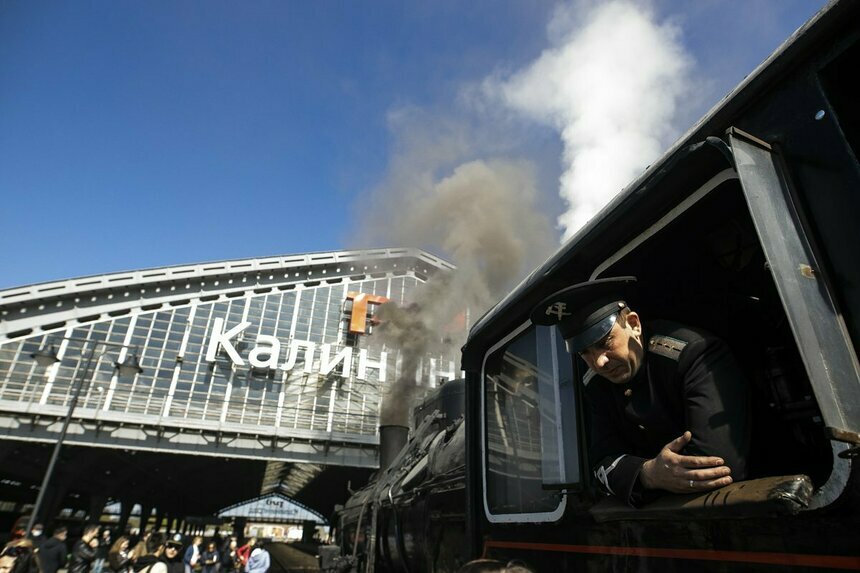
point(267, 368)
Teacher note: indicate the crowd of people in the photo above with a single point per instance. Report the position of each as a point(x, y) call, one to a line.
point(96, 551)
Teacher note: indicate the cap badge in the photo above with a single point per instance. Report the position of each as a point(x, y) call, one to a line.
point(559, 309)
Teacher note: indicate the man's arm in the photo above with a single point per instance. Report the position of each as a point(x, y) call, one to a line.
point(86, 552)
point(671, 471)
point(716, 404)
point(713, 452)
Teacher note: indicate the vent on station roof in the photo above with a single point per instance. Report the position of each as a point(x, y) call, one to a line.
point(20, 333)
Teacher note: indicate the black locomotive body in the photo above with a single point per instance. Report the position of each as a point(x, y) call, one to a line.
point(412, 511)
point(747, 227)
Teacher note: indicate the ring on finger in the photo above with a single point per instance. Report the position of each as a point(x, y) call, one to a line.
point(691, 483)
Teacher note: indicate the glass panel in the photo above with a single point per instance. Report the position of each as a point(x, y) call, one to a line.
point(524, 438)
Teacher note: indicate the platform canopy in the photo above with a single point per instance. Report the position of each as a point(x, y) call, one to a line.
point(273, 508)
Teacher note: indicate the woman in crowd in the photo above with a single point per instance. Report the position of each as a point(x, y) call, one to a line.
point(140, 545)
point(259, 561)
point(245, 551)
point(119, 557)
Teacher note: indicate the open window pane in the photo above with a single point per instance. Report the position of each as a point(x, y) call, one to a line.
point(526, 446)
point(810, 309)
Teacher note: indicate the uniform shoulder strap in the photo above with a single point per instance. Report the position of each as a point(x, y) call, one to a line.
point(666, 346)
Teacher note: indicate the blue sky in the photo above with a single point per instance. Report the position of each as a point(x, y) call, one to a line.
point(142, 134)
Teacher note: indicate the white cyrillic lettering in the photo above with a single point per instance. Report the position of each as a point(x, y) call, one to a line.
point(223, 339)
point(273, 351)
point(364, 364)
point(327, 366)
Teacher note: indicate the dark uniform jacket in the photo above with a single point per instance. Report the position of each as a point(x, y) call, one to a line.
point(688, 380)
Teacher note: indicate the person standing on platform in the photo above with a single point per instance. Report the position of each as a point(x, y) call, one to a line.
point(230, 561)
point(192, 555)
point(104, 546)
point(259, 561)
point(152, 561)
point(19, 556)
point(210, 558)
point(140, 545)
point(172, 556)
point(244, 552)
point(36, 535)
point(84, 550)
point(54, 553)
point(119, 557)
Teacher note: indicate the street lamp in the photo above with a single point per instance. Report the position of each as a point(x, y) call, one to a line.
point(128, 366)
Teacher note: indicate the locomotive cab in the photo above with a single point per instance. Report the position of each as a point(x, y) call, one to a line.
point(702, 263)
point(743, 229)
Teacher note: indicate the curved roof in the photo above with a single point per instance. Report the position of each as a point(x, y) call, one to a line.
point(274, 507)
point(52, 306)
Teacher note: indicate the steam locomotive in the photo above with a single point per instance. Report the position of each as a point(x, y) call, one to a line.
point(412, 511)
point(747, 228)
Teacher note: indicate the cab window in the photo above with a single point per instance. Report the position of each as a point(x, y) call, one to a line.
point(529, 427)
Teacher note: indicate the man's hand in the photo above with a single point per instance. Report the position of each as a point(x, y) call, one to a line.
point(671, 471)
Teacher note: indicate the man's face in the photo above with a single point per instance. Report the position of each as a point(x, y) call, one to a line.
point(618, 355)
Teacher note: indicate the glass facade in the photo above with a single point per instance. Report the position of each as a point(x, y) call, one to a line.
point(272, 359)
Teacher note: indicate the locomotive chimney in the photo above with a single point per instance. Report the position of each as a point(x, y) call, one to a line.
point(391, 440)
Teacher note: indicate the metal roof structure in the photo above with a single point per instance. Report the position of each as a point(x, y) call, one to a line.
point(273, 508)
point(248, 359)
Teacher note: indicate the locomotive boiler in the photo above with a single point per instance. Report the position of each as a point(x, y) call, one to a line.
point(411, 515)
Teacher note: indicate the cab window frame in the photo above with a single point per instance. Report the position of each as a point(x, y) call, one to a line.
point(565, 449)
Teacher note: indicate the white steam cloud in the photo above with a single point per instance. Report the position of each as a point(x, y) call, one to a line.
point(611, 84)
